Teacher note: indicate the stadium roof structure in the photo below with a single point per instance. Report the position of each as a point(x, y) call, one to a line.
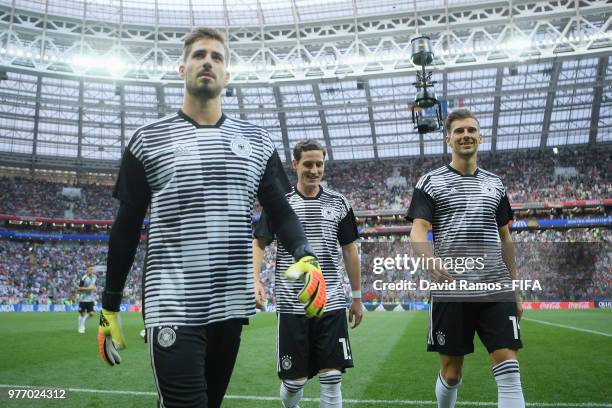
point(78, 76)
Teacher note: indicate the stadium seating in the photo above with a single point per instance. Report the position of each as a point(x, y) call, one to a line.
point(49, 272)
point(528, 175)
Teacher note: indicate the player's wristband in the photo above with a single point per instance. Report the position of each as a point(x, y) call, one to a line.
point(356, 294)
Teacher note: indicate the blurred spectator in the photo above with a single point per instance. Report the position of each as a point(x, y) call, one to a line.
point(529, 176)
point(48, 272)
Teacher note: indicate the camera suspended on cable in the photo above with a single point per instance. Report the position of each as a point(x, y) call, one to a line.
point(426, 109)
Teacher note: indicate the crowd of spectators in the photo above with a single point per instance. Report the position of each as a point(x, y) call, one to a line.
point(50, 272)
point(528, 175)
point(573, 264)
point(37, 271)
point(570, 265)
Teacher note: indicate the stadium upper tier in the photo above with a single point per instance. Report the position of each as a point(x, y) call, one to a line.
point(530, 176)
point(81, 76)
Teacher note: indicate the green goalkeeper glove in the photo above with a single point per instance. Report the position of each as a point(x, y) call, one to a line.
point(110, 337)
point(313, 294)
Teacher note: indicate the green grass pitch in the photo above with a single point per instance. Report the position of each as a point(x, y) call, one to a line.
point(560, 366)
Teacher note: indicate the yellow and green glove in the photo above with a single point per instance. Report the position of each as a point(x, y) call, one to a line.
point(313, 294)
point(110, 337)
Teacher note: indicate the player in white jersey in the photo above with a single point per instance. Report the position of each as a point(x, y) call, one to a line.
point(199, 171)
point(87, 290)
point(307, 347)
point(468, 211)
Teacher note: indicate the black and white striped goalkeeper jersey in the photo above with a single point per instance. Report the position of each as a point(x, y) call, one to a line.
point(466, 212)
point(327, 219)
point(201, 182)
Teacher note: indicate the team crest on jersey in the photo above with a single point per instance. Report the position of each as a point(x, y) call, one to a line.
point(488, 189)
point(441, 338)
point(241, 147)
point(286, 363)
point(328, 213)
point(166, 337)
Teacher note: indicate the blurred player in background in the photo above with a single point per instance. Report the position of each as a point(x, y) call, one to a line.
point(468, 209)
point(199, 171)
point(87, 289)
point(307, 347)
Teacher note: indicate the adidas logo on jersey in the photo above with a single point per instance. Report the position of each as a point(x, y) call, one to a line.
point(180, 150)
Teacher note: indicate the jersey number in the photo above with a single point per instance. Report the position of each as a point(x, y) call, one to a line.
point(345, 348)
point(515, 326)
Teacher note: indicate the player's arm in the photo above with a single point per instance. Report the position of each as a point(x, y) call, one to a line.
point(509, 257)
point(503, 215)
point(421, 212)
point(123, 243)
point(508, 252)
point(348, 236)
point(262, 237)
point(353, 271)
point(422, 247)
point(285, 223)
point(122, 246)
point(83, 288)
point(259, 248)
point(134, 194)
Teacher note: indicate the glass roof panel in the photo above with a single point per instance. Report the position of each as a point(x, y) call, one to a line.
point(367, 7)
point(576, 71)
point(317, 10)
point(212, 15)
point(462, 82)
point(276, 12)
point(398, 149)
point(527, 76)
point(604, 127)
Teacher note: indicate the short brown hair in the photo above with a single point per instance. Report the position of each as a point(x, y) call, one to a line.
point(306, 146)
point(199, 33)
point(458, 114)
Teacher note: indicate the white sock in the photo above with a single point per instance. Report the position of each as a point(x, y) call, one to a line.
point(331, 390)
point(509, 391)
point(446, 394)
point(80, 321)
point(85, 319)
point(291, 392)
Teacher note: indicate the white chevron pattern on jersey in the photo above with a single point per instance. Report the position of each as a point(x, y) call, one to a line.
point(320, 218)
point(465, 223)
point(203, 182)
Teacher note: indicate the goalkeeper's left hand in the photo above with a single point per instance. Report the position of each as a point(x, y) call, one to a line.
point(313, 294)
point(110, 337)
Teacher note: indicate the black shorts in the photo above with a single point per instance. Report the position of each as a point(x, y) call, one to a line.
point(192, 365)
point(306, 345)
point(86, 307)
point(452, 326)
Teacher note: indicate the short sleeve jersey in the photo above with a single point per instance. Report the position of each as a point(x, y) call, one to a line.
point(87, 281)
point(466, 212)
point(328, 220)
